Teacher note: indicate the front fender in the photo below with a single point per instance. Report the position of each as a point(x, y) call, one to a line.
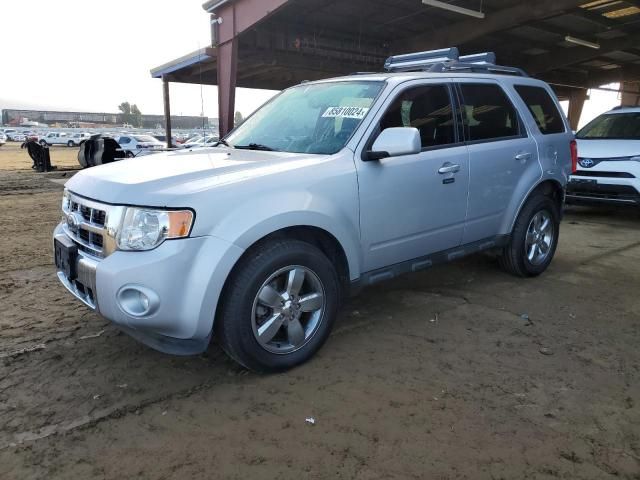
point(252, 219)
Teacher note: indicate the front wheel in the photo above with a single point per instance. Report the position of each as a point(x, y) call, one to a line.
point(43, 143)
point(278, 306)
point(71, 144)
point(534, 238)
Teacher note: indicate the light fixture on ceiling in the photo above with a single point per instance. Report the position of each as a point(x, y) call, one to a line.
point(453, 8)
point(584, 43)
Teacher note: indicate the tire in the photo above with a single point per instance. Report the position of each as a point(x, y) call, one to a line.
point(299, 326)
point(43, 143)
point(71, 144)
point(129, 155)
point(517, 257)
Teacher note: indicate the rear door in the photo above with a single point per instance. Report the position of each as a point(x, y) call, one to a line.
point(501, 156)
point(555, 136)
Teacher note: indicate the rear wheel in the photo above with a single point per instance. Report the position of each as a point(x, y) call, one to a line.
point(534, 238)
point(278, 306)
point(70, 144)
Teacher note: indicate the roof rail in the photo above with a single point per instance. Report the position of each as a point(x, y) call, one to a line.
point(449, 60)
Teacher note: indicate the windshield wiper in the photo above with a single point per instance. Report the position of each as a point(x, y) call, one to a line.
point(256, 146)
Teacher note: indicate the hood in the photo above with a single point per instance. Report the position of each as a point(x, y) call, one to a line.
point(165, 179)
point(608, 148)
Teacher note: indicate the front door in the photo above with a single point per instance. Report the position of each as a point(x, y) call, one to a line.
point(414, 205)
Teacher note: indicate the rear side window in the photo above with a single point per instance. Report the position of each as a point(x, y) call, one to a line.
point(543, 109)
point(427, 108)
point(488, 113)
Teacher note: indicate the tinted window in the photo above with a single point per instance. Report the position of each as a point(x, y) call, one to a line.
point(124, 140)
point(543, 109)
point(620, 126)
point(426, 108)
point(487, 112)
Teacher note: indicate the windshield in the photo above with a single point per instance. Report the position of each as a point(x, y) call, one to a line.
point(613, 126)
point(144, 138)
point(317, 118)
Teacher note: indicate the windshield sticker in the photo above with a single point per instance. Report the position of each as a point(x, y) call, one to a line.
point(345, 112)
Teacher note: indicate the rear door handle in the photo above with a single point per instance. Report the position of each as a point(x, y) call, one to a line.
point(523, 157)
point(448, 168)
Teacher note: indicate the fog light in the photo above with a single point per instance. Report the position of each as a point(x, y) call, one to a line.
point(138, 301)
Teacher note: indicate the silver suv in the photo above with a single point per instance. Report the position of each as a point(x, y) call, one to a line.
point(332, 185)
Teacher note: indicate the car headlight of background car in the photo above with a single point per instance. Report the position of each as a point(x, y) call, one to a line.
point(145, 229)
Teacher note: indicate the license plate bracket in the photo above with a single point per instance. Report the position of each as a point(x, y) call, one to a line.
point(584, 181)
point(66, 253)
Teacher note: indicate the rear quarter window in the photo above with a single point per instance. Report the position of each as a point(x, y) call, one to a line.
point(543, 108)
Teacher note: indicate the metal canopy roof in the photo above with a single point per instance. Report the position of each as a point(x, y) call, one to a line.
point(312, 39)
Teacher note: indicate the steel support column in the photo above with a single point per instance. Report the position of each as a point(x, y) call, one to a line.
point(630, 94)
point(577, 97)
point(227, 74)
point(167, 110)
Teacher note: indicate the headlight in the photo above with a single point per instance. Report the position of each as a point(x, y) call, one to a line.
point(145, 229)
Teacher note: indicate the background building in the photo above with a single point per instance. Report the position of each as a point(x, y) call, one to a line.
point(87, 119)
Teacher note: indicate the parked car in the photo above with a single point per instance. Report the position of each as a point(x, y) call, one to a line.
point(139, 145)
point(202, 142)
point(608, 169)
point(330, 186)
point(76, 139)
point(56, 138)
point(10, 133)
point(17, 137)
point(3, 139)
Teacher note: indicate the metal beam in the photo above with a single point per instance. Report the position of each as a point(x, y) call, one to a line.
point(573, 56)
point(167, 111)
point(463, 32)
point(576, 104)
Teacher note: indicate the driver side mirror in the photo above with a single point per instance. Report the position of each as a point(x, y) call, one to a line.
point(394, 142)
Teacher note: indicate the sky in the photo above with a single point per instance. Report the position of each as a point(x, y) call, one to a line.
point(92, 55)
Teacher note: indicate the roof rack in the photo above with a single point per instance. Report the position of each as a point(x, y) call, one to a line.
point(449, 60)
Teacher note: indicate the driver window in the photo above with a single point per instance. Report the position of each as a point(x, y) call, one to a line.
point(427, 108)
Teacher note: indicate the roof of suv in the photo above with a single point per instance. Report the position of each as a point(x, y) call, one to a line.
point(400, 77)
point(623, 110)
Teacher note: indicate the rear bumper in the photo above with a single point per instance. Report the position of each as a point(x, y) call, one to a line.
point(604, 190)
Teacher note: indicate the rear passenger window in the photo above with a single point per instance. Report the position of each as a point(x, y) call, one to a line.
point(543, 109)
point(426, 108)
point(487, 113)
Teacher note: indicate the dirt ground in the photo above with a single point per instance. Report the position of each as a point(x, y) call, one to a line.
point(12, 157)
point(457, 372)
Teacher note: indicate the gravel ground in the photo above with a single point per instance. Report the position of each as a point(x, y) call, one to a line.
point(457, 372)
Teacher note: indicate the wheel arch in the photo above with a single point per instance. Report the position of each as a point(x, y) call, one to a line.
point(548, 187)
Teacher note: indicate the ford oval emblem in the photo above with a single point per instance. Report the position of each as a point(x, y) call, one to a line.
point(73, 222)
point(586, 163)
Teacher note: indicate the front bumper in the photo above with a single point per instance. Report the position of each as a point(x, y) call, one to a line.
point(184, 277)
point(599, 190)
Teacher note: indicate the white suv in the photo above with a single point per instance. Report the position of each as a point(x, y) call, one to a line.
point(608, 169)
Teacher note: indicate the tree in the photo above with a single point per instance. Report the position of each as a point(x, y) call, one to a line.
point(131, 114)
point(238, 119)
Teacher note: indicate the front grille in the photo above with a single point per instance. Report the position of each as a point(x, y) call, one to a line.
point(88, 233)
point(592, 173)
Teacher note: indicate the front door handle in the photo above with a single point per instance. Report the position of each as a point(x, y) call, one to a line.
point(448, 168)
point(523, 157)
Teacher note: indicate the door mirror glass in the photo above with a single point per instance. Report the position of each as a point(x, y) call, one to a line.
point(394, 142)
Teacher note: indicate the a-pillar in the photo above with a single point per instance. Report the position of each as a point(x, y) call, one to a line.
point(577, 98)
point(227, 60)
point(167, 111)
point(630, 94)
